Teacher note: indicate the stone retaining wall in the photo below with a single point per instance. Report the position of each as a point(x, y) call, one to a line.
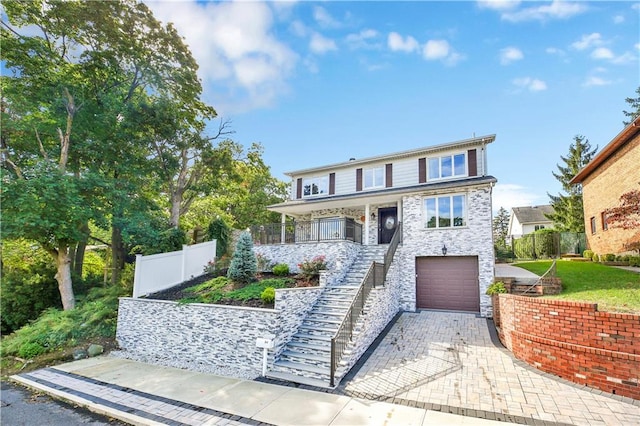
point(339, 256)
point(573, 340)
point(207, 337)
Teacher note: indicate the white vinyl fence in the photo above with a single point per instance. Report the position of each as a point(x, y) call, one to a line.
point(161, 271)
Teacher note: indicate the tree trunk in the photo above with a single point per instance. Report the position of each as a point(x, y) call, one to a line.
point(117, 254)
point(78, 258)
point(176, 201)
point(63, 276)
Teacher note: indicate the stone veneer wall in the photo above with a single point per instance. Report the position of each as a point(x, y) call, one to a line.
point(381, 306)
point(207, 337)
point(339, 256)
point(475, 239)
point(573, 340)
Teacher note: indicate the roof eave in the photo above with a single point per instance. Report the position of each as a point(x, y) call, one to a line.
point(435, 148)
point(625, 135)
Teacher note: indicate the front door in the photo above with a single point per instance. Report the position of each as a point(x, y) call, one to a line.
point(387, 224)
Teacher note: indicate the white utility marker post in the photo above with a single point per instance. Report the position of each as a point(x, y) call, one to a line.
point(265, 343)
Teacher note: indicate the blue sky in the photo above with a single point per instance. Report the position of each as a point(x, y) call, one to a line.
point(320, 82)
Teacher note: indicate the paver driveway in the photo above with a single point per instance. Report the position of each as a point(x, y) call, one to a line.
point(449, 359)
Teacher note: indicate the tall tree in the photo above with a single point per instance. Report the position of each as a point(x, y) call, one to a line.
point(501, 227)
point(77, 71)
point(634, 103)
point(568, 214)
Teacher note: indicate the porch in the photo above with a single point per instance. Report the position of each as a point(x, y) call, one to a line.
point(316, 230)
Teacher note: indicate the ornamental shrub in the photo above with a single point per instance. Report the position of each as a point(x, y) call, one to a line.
point(609, 257)
point(311, 268)
point(281, 269)
point(496, 288)
point(243, 267)
point(587, 254)
point(595, 257)
point(219, 230)
point(268, 295)
point(634, 260)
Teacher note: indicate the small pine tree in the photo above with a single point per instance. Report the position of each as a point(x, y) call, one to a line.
point(634, 103)
point(568, 214)
point(244, 265)
point(501, 227)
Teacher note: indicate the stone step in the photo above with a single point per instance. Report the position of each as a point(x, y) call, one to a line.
point(325, 357)
point(323, 320)
point(302, 345)
point(322, 312)
point(316, 328)
point(313, 337)
point(302, 367)
point(288, 377)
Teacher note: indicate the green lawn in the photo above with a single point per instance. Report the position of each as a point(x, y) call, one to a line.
point(611, 288)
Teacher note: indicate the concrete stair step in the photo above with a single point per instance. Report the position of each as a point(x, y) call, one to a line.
point(302, 345)
point(326, 357)
point(288, 377)
point(318, 337)
point(323, 321)
point(327, 313)
point(302, 367)
point(312, 327)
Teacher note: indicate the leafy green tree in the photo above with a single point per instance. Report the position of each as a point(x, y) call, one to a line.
point(501, 227)
point(568, 213)
point(70, 128)
point(634, 103)
point(219, 230)
point(244, 266)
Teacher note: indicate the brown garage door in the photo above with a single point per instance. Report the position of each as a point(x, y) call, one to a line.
point(447, 283)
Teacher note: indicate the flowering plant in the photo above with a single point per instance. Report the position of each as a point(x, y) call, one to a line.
point(311, 268)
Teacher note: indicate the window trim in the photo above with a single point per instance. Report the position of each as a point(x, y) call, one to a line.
point(465, 215)
point(605, 224)
point(316, 179)
point(381, 169)
point(453, 175)
point(593, 225)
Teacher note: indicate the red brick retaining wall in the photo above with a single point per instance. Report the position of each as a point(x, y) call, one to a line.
point(573, 340)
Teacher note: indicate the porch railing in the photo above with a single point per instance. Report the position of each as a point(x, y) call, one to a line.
point(330, 229)
point(375, 276)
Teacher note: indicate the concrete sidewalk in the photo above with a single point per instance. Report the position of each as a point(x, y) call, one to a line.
point(144, 394)
point(506, 270)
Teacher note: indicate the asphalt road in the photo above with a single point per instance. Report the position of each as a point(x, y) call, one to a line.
point(22, 407)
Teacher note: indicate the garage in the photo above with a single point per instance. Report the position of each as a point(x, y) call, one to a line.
point(448, 283)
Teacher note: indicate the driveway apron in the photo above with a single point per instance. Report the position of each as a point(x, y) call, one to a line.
point(448, 361)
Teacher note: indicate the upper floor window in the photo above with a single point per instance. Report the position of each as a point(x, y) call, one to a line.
point(604, 218)
point(447, 166)
point(373, 177)
point(446, 211)
point(317, 185)
point(593, 225)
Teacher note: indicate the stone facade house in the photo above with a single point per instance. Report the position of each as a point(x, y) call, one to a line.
point(612, 172)
point(525, 220)
point(442, 197)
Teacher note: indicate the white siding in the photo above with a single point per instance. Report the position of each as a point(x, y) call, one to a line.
point(346, 181)
point(405, 172)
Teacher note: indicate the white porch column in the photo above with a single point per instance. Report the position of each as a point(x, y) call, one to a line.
point(367, 214)
point(283, 233)
point(399, 209)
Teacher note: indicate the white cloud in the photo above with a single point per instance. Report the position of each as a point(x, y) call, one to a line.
point(498, 4)
point(509, 195)
point(323, 18)
point(299, 29)
point(618, 19)
point(320, 44)
point(596, 81)
point(531, 84)
point(555, 51)
point(556, 10)
point(441, 50)
point(242, 63)
point(510, 54)
point(635, 6)
point(637, 46)
point(436, 49)
point(602, 53)
point(587, 41)
point(397, 43)
point(365, 39)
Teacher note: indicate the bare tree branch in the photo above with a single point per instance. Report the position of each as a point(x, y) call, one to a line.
point(223, 130)
point(42, 151)
point(6, 158)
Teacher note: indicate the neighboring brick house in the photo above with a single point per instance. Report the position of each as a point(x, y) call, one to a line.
point(442, 196)
point(611, 173)
point(525, 220)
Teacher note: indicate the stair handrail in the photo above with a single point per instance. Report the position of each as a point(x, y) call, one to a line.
point(551, 272)
point(377, 273)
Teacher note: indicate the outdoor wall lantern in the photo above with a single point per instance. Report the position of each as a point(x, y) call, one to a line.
point(444, 250)
point(373, 215)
